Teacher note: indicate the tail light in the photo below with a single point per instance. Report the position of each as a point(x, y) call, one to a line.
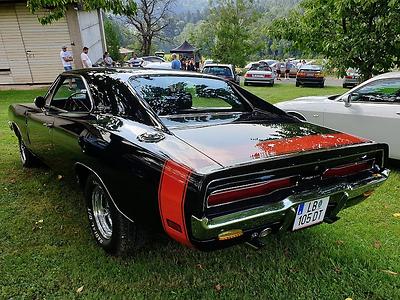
point(319, 75)
point(349, 169)
point(348, 77)
point(301, 74)
point(267, 75)
point(250, 191)
point(247, 75)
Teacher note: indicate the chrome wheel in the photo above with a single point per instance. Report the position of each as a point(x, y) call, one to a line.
point(101, 211)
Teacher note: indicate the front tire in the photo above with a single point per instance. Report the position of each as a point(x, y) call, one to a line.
point(112, 230)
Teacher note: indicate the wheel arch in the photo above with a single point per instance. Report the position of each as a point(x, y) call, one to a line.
point(14, 127)
point(297, 115)
point(83, 171)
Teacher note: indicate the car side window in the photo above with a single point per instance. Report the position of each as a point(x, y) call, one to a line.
point(384, 91)
point(71, 95)
point(113, 96)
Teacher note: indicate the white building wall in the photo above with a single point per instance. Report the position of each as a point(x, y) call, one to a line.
point(90, 28)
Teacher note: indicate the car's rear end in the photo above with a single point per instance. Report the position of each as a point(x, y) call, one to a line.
point(310, 75)
point(351, 79)
point(222, 71)
point(248, 202)
point(259, 74)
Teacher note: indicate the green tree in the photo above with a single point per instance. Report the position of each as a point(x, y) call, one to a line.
point(363, 34)
point(56, 9)
point(113, 38)
point(232, 22)
point(201, 35)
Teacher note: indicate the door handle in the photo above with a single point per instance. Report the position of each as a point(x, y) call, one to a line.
point(49, 125)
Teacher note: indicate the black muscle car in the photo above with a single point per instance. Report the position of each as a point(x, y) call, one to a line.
point(207, 161)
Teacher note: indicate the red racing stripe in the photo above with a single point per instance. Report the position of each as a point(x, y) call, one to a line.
point(171, 200)
point(306, 143)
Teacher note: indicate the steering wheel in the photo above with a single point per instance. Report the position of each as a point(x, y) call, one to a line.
point(72, 104)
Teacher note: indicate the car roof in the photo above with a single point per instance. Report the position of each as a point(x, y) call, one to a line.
point(125, 73)
point(218, 65)
point(387, 75)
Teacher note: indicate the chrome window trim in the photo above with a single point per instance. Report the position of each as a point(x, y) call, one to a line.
point(61, 78)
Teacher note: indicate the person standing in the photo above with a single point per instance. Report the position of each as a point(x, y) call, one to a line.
point(287, 69)
point(190, 66)
point(66, 58)
point(86, 62)
point(135, 62)
point(108, 61)
point(278, 70)
point(175, 64)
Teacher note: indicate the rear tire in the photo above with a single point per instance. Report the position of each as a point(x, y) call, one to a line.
point(297, 84)
point(271, 84)
point(322, 85)
point(344, 85)
point(245, 83)
point(111, 229)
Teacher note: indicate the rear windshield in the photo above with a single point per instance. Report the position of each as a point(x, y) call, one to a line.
point(171, 95)
point(218, 71)
point(311, 68)
point(260, 67)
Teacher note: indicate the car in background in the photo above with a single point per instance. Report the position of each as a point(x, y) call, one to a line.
point(370, 110)
point(310, 75)
point(159, 54)
point(158, 65)
point(352, 78)
point(208, 61)
point(259, 73)
point(270, 62)
point(225, 71)
point(150, 59)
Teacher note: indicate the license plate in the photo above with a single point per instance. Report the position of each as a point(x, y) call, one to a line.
point(310, 213)
point(255, 75)
point(310, 75)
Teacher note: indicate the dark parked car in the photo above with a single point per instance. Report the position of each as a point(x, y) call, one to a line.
point(310, 75)
point(207, 161)
point(225, 71)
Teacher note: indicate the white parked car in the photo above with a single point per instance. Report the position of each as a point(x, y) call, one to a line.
point(259, 73)
point(370, 110)
point(159, 65)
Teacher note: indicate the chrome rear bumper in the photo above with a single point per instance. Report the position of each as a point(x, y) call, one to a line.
point(284, 211)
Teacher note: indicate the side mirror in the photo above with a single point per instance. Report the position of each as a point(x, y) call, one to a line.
point(347, 101)
point(40, 102)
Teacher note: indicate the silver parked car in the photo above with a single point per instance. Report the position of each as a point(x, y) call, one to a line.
point(259, 73)
point(352, 78)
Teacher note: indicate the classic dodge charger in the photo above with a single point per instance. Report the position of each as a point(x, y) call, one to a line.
point(199, 157)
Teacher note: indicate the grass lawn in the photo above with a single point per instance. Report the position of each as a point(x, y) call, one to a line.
point(47, 251)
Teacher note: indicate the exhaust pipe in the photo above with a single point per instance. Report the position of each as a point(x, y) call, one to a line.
point(255, 241)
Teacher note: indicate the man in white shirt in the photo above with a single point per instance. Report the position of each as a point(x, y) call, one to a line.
point(66, 58)
point(86, 62)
